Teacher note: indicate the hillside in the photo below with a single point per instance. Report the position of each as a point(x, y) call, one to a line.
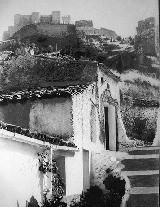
point(139, 105)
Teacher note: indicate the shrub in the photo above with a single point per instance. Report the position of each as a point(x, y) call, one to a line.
point(119, 38)
point(141, 131)
point(54, 202)
point(33, 202)
point(93, 197)
point(116, 187)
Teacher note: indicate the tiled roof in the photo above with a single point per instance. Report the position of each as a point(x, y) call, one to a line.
point(28, 71)
point(40, 93)
point(108, 72)
point(56, 140)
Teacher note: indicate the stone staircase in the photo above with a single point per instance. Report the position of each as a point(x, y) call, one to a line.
point(142, 168)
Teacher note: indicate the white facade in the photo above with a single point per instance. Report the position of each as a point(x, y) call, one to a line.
point(90, 137)
point(19, 172)
point(19, 175)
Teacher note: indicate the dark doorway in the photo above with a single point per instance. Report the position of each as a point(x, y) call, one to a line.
point(106, 127)
point(86, 177)
point(117, 143)
point(60, 161)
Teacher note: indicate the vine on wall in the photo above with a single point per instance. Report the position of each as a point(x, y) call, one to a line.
point(46, 165)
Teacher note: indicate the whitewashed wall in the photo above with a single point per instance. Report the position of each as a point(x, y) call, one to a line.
point(81, 109)
point(52, 116)
point(19, 175)
point(114, 88)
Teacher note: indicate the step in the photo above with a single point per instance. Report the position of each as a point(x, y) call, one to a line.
point(142, 200)
point(144, 180)
point(148, 148)
point(145, 150)
point(146, 156)
point(141, 164)
point(144, 190)
point(145, 172)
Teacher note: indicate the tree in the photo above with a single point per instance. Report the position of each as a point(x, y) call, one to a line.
point(119, 38)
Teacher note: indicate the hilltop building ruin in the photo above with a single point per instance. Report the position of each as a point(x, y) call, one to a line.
point(21, 21)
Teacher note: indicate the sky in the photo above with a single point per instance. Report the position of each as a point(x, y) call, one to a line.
point(118, 15)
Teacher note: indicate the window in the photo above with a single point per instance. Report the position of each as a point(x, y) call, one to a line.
point(106, 127)
point(102, 80)
point(93, 90)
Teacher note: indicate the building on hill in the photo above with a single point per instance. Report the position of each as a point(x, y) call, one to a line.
point(11, 30)
point(86, 27)
point(84, 23)
point(66, 19)
point(145, 38)
point(46, 19)
point(21, 21)
point(17, 19)
point(35, 17)
point(5, 36)
point(144, 25)
point(44, 30)
point(86, 30)
point(70, 122)
point(56, 17)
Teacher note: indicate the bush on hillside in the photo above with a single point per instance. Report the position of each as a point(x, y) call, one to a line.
point(138, 125)
point(142, 131)
point(95, 197)
point(116, 187)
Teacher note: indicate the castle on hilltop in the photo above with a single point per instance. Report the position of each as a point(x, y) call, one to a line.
point(52, 25)
point(35, 18)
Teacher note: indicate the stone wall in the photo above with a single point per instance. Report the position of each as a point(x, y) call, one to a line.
point(145, 37)
point(53, 30)
point(50, 116)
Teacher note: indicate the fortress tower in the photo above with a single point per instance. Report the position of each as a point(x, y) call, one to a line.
point(66, 19)
point(56, 16)
point(35, 18)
